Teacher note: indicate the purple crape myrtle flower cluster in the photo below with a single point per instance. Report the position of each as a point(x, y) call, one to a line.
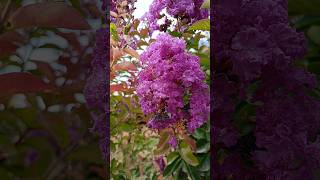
point(96, 92)
point(187, 11)
point(171, 85)
point(255, 50)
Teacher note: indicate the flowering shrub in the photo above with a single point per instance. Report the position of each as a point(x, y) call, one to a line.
point(171, 85)
point(159, 87)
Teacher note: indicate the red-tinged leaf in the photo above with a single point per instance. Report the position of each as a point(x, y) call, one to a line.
point(144, 32)
point(9, 42)
point(72, 40)
point(49, 15)
point(125, 66)
point(142, 43)
point(112, 75)
point(191, 142)
point(46, 69)
point(132, 52)
point(117, 87)
point(113, 14)
point(12, 83)
point(116, 54)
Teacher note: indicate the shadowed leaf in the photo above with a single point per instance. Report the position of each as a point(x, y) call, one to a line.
point(22, 83)
point(8, 42)
point(53, 15)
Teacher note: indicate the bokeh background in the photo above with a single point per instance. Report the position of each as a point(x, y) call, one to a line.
point(45, 127)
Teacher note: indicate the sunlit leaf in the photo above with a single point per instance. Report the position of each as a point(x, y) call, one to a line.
point(114, 33)
point(171, 157)
point(206, 4)
point(132, 52)
point(203, 24)
point(125, 66)
point(187, 155)
point(117, 87)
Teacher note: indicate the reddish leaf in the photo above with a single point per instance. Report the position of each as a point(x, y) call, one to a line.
point(46, 69)
point(132, 52)
point(125, 66)
point(12, 83)
point(8, 42)
point(112, 75)
point(117, 87)
point(116, 54)
point(50, 15)
point(72, 40)
point(144, 32)
point(191, 142)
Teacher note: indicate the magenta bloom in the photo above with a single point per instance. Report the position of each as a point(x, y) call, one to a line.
point(187, 11)
point(171, 85)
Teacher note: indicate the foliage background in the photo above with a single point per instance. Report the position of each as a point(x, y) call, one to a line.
point(45, 53)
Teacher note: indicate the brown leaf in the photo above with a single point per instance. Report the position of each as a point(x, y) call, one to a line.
point(191, 142)
point(125, 66)
point(142, 43)
point(49, 15)
point(144, 32)
point(132, 52)
point(12, 83)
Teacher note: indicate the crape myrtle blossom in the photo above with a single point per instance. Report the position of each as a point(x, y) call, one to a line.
point(171, 86)
point(255, 49)
point(186, 11)
point(95, 90)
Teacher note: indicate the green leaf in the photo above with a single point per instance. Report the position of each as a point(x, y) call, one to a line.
point(309, 7)
point(172, 156)
point(191, 172)
point(204, 163)
point(306, 21)
point(199, 134)
point(125, 127)
point(187, 155)
point(4, 174)
point(173, 167)
point(203, 24)
point(114, 33)
point(314, 34)
point(203, 146)
point(206, 4)
point(163, 145)
point(87, 153)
